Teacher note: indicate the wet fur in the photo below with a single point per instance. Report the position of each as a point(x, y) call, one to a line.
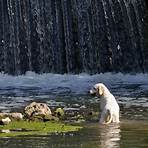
point(108, 104)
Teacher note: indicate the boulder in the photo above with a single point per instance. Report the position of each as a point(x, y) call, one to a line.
point(37, 109)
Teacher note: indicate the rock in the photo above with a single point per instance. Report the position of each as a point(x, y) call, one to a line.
point(42, 118)
point(59, 112)
point(5, 131)
point(15, 115)
point(35, 109)
point(18, 116)
point(5, 121)
point(83, 107)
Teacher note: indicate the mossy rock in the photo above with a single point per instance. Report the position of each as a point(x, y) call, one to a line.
point(25, 128)
point(59, 112)
point(42, 118)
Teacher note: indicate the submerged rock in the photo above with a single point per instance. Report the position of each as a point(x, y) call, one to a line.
point(37, 109)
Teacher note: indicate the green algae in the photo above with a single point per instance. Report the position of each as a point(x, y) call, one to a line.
point(25, 128)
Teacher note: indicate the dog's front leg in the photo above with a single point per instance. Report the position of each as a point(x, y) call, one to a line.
point(106, 117)
point(102, 118)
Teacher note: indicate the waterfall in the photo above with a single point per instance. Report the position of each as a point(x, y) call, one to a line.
point(72, 36)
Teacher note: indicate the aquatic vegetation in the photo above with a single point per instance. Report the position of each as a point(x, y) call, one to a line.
point(26, 128)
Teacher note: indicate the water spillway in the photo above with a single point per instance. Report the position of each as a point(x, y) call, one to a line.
point(72, 36)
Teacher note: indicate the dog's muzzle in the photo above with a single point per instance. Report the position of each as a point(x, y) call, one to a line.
point(92, 91)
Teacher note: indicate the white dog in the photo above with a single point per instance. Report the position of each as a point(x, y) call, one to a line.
point(108, 104)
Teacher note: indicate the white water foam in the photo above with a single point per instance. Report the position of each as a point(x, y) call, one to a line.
point(71, 84)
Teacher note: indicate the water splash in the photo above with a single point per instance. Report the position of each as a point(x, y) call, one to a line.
point(73, 84)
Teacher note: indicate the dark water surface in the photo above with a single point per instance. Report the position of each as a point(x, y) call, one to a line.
point(71, 91)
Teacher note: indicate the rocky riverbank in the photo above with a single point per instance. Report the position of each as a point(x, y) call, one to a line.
point(40, 119)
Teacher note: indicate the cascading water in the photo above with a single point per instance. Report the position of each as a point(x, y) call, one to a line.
point(72, 36)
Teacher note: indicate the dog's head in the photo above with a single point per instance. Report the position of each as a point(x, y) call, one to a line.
point(98, 89)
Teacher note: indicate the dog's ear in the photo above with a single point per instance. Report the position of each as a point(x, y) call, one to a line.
point(100, 90)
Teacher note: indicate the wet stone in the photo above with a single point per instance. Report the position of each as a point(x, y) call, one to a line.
point(37, 110)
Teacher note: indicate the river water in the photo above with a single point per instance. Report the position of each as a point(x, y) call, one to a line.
point(131, 92)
